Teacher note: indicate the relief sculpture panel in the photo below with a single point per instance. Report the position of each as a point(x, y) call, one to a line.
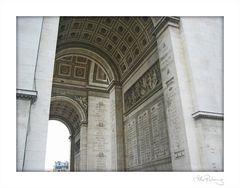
point(149, 82)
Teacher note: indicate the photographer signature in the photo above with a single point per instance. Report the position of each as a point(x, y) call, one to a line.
point(208, 178)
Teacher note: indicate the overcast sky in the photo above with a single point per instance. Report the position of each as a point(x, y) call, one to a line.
point(58, 144)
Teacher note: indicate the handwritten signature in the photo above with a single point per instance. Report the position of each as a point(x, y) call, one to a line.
point(208, 178)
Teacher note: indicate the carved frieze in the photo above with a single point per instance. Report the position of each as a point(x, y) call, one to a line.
point(146, 84)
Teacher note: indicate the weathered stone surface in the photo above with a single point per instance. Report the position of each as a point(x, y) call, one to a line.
point(137, 94)
point(39, 114)
point(146, 136)
point(99, 137)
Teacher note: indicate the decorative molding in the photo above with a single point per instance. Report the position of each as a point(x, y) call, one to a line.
point(207, 115)
point(27, 94)
point(82, 88)
point(164, 22)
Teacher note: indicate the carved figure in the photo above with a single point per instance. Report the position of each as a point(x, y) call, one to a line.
point(137, 91)
point(82, 101)
point(142, 87)
point(149, 81)
point(154, 79)
point(145, 85)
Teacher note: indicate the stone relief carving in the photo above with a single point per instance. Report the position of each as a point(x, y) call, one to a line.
point(83, 102)
point(143, 87)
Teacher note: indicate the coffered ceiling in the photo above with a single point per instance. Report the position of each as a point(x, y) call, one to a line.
point(79, 70)
point(65, 112)
point(124, 40)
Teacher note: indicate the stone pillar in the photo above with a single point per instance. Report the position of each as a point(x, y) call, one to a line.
point(36, 138)
point(117, 144)
point(28, 37)
point(72, 141)
point(202, 39)
point(83, 147)
point(98, 133)
point(191, 62)
point(176, 91)
point(76, 152)
point(24, 100)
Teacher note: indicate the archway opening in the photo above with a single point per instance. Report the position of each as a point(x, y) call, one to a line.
point(58, 147)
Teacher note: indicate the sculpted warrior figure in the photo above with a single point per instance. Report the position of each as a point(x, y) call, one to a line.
point(133, 95)
point(154, 79)
point(145, 85)
point(137, 89)
point(127, 102)
point(149, 81)
point(142, 89)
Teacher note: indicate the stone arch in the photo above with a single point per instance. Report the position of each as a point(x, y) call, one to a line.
point(72, 115)
point(79, 109)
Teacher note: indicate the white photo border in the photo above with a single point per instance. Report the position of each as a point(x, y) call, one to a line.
point(9, 10)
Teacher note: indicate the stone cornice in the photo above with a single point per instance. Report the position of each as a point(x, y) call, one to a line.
point(207, 115)
point(164, 22)
point(27, 94)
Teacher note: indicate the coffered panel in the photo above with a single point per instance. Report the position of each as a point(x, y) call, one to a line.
point(123, 39)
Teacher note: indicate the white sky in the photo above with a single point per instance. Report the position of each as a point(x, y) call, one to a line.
point(58, 144)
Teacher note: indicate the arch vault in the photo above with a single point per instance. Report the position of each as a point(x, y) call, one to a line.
point(127, 88)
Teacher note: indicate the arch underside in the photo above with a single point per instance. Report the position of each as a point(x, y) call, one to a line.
point(94, 57)
point(119, 40)
point(67, 111)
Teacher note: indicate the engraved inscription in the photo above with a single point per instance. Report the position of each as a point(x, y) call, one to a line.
point(172, 105)
point(159, 131)
point(131, 143)
point(101, 161)
point(146, 135)
point(100, 141)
